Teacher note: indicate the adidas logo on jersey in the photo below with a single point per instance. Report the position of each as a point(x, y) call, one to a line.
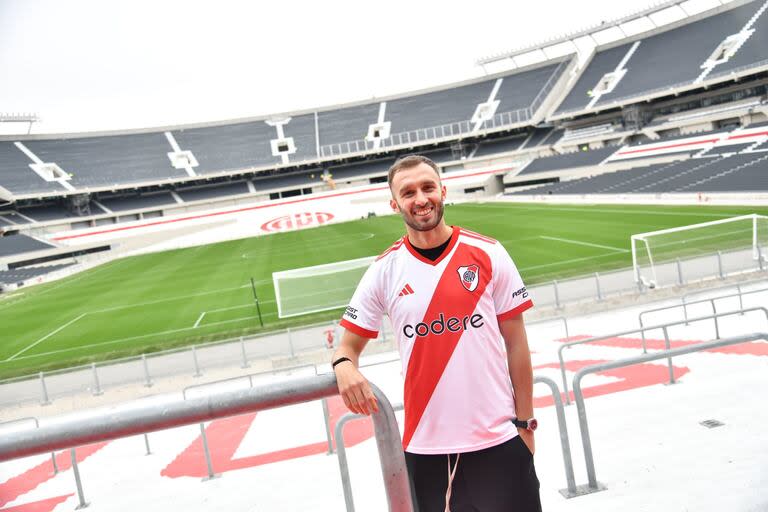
point(407, 290)
point(442, 324)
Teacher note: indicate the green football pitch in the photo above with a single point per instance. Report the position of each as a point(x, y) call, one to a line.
point(181, 297)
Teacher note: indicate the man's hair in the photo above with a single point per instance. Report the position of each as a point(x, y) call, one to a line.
point(408, 162)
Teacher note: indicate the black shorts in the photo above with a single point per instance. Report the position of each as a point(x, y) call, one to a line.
point(497, 479)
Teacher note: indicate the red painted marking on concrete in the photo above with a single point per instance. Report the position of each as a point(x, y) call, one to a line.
point(258, 207)
point(30, 479)
point(226, 435)
point(669, 146)
point(630, 377)
point(754, 348)
point(46, 505)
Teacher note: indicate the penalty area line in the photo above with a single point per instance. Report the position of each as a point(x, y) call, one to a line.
point(45, 337)
point(588, 244)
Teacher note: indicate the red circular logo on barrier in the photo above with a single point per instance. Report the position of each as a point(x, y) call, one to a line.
point(296, 221)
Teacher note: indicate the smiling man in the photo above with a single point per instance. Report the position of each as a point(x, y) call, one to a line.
point(453, 296)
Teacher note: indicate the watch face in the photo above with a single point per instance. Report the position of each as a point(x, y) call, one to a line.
point(533, 424)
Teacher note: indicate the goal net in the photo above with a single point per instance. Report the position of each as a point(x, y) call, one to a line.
point(710, 249)
point(306, 290)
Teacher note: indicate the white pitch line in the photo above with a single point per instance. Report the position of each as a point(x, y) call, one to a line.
point(574, 260)
point(233, 307)
point(577, 242)
point(141, 336)
point(199, 320)
point(45, 337)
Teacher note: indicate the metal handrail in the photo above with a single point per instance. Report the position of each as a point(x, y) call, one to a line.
point(685, 305)
point(593, 484)
point(565, 445)
point(739, 291)
point(663, 327)
point(137, 417)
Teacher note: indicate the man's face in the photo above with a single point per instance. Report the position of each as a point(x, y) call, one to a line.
point(418, 195)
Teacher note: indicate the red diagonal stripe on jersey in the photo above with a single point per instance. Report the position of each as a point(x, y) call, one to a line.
point(431, 353)
point(408, 288)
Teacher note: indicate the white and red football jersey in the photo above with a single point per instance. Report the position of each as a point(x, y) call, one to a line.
point(446, 313)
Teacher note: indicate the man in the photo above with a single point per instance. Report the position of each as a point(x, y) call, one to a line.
point(452, 296)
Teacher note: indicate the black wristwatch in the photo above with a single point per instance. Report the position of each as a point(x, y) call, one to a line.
point(531, 424)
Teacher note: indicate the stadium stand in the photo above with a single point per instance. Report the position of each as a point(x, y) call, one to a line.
point(345, 124)
point(229, 147)
point(213, 191)
point(16, 175)
point(18, 275)
point(569, 160)
point(676, 57)
point(17, 244)
point(152, 172)
point(742, 172)
point(504, 145)
point(137, 202)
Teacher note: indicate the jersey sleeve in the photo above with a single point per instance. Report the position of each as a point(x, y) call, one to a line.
point(366, 309)
point(509, 294)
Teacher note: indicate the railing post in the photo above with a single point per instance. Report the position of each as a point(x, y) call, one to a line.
point(741, 298)
point(147, 379)
point(146, 444)
point(720, 264)
point(290, 341)
point(54, 464)
point(715, 318)
point(44, 400)
point(557, 294)
point(327, 420)
point(669, 359)
point(207, 452)
point(679, 272)
point(194, 360)
point(96, 385)
point(242, 352)
point(78, 483)
point(597, 284)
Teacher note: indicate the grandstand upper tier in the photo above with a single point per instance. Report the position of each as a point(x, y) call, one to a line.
point(41, 166)
point(694, 52)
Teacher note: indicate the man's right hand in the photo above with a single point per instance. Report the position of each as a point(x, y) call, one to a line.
point(355, 389)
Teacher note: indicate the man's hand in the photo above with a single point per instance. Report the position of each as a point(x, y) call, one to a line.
point(355, 389)
point(527, 437)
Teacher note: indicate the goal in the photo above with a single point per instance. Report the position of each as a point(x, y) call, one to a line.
point(737, 243)
point(306, 290)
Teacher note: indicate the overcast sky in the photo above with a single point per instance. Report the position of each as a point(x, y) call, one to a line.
point(107, 64)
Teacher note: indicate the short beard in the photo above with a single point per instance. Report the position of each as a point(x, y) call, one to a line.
point(410, 221)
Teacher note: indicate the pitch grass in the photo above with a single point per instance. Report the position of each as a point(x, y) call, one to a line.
point(152, 302)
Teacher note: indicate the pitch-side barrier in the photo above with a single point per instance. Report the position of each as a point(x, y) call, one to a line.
point(139, 417)
point(593, 485)
point(664, 328)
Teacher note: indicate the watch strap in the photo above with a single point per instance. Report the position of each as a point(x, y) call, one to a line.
point(340, 360)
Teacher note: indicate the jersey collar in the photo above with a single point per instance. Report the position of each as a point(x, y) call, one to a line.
point(451, 245)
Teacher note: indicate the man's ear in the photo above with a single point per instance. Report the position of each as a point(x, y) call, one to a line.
point(394, 206)
point(445, 192)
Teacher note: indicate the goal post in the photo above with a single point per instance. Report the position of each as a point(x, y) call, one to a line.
point(743, 239)
point(305, 290)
